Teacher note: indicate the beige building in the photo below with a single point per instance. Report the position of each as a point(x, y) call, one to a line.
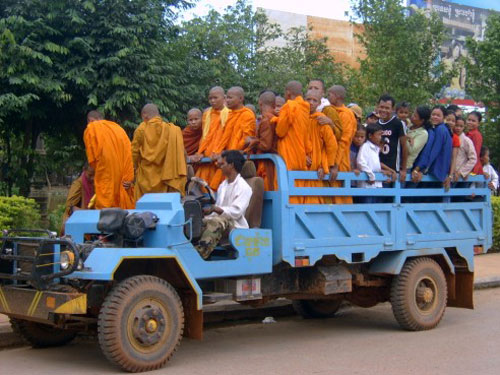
point(341, 40)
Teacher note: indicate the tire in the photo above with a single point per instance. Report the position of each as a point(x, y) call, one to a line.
point(419, 295)
point(316, 308)
point(40, 335)
point(140, 323)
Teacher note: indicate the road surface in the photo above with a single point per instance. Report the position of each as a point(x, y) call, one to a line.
point(358, 341)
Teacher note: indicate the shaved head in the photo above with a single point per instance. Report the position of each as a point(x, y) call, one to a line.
point(150, 110)
point(217, 90)
point(194, 111)
point(235, 97)
point(313, 97)
point(94, 116)
point(267, 98)
point(236, 90)
point(293, 89)
point(338, 91)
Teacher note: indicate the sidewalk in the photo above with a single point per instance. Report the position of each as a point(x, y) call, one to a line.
point(487, 275)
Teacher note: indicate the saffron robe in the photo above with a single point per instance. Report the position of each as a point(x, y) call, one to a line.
point(213, 124)
point(158, 155)
point(192, 138)
point(293, 142)
point(343, 161)
point(109, 153)
point(324, 151)
point(333, 115)
point(267, 143)
point(240, 125)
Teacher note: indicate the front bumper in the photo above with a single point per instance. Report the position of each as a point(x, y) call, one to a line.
point(31, 304)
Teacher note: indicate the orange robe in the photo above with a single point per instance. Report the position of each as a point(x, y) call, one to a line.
point(213, 125)
point(240, 125)
point(267, 143)
point(324, 151)
point(332, 113)
point(109, 153)
point(293, 141)
point(349, 125)
point(158, 156)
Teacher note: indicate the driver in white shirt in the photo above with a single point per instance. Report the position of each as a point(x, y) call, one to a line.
point(233, 197)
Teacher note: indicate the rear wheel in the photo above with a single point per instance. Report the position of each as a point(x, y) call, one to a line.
point(419, 295)
point(41, 335)
point(140, 324)
point(316, 308)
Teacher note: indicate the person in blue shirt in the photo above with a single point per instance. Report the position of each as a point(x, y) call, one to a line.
point(435, 158)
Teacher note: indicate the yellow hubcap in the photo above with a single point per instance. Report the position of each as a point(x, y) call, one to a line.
point(151, 326)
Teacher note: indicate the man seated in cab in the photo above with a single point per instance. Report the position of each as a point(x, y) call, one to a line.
point(233, 198)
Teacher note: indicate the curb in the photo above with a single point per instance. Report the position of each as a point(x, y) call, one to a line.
point(487, 282)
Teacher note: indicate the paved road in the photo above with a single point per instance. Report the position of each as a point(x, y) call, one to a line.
point(358, 341)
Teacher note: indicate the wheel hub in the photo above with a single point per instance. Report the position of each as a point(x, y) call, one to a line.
point(425, 295)
point(149, 325)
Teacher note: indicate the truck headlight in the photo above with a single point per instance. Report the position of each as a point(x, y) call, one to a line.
point(67, 259)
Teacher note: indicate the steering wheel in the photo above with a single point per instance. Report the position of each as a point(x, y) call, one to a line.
point(196, 190)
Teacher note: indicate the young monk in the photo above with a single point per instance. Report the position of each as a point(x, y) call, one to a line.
point(109, 153)
point(265, 140)
point(279, 102)
point(213, 123)
point(291, 129)
point(336, 96)
point(324, 148)
point(239, 126)
point(158, 155)
point(319, 85)
point(192, 132)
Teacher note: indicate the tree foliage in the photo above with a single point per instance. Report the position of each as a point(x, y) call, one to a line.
point(402, 53)
point(241, 47)
point(483, 81)
point(483, 67)
point(58, 59)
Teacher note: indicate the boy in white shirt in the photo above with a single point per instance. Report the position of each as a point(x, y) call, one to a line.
point(368, 161)
point(489, 172)
point(233, 197)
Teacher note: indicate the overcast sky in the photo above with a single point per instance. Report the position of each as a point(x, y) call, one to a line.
point(322, 8)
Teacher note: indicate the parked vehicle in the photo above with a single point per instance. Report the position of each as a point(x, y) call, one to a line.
point(136, 277)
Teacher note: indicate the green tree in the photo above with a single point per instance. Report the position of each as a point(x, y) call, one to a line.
point(402, 53)
point(483, 81)
point(58, 59)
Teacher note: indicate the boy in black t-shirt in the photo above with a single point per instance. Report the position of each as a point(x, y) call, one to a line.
point(393, 134)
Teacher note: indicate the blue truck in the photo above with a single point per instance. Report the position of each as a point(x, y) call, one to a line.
point(136, 278)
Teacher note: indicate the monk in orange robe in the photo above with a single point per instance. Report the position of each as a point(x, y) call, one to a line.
point(213, 122)
point(158, 155)
point(240, 126)
point(336, 96)
point(109, 153)
point(324, 147)
point(326, 107)
point(266, 140)
point(293, 141)
point(193, 131)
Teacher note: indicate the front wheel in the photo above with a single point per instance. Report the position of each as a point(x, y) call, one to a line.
point(419, 295)
point(316, 308)
point(140, 324)
point(41, 335)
